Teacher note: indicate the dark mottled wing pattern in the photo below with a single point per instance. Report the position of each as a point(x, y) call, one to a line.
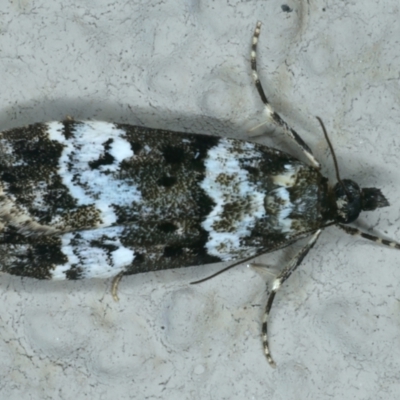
point(94, 199)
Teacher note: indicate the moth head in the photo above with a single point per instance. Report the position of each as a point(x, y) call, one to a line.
point(351, 200)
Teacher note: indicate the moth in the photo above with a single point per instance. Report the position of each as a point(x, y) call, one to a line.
point(97, 200)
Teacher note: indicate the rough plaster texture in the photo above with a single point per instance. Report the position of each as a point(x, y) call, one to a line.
point(335, 327)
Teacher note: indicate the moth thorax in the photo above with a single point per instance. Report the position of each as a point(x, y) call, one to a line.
point(351, 200)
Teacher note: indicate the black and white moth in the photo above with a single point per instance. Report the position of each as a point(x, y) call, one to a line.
point(98, 200)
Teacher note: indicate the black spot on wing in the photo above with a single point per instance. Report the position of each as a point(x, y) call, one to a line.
point(202, 257)
point(251, 170)
point(173, 154)
point(10, 235)
point(200, 145)
point(199, 251)
point(167, 227)
point(13, 183)
point(48, 253)
point(33, 258)
point(136, 147)
point(106, 158)
point(37, 152)
point(108, 248)
point(191, 253)
point(21, 269)
point(273, 161)
point(205, 204)
point(172, 251)
point(124, 215)
point(139, 258)
point(56, 197)
point(33, 158)
point(69, 128)
point(8, 177)
point(74, 273)
point(166, 181)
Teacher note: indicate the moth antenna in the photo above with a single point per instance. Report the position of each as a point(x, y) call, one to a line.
point(333, 155)
point(357, 232)
point(227, 268)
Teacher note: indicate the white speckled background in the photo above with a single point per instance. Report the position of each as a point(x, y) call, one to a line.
point(335, 327)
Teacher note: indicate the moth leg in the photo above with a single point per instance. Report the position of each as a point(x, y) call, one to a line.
point(286, 272)
point(272, 115)
point(258, 265)
point(269, 269)
point(356, 232)
point(114, 285)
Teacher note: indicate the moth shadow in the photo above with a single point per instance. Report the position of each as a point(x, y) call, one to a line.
point(40, 110)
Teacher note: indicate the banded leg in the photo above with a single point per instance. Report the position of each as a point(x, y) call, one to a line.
point(356, 232)
point(287, 271)
point(114, 285)
point(270, 111)
point(264, 267)
point(258, 265)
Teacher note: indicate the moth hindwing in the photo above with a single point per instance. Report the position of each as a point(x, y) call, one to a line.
point(98, 200)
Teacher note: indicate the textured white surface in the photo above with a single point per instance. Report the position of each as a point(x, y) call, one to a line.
point(335, 326)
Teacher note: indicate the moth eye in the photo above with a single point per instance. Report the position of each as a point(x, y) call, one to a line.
point(166, 181)
point(348, 201)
